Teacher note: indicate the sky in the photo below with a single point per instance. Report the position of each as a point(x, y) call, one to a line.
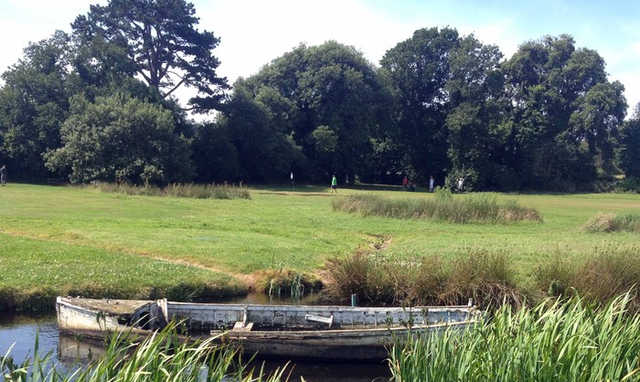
point(255, 32)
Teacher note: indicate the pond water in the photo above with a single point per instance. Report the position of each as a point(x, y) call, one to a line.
point(69, 353)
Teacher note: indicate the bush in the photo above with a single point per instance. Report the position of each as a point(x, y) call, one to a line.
point(609, 222)
point(198, 191)
point(444, 206)
point(285, 282)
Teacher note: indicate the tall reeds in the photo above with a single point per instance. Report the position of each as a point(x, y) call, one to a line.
point(444, 206)
point(198, 191)
point(488, 278)
point(609, 222)
point(553, 341)
point(160, 357)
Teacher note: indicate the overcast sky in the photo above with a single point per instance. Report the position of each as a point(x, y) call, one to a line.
point(255, 32)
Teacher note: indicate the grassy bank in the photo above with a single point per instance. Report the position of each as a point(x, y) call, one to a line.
point(278, 229)
point(551, 342)
point(34, 272)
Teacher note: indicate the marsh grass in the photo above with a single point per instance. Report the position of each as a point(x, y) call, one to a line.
point(197, 191)
point(609, 222)
point(487, 278)
point(287, 283)
point(160, 357)
point(444, 206)
point(554, 341)
point(598, 276)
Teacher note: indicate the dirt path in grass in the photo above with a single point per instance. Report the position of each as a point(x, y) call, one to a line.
point(375, 243)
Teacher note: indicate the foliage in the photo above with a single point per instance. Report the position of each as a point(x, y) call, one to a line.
point(630, 150)
point(328, 85)
point(161, 40)
point(481, 208)
point(33, 105)
point(215, 157)
point(199, 191)
point(267, 153)
point(553, 341)
point(123, 139)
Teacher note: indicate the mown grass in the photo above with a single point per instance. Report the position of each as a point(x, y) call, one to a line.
point(610, 222)
point(444, 206)
point(179, 190)
point(34, 272)
point(160, 357)
point(558, 341)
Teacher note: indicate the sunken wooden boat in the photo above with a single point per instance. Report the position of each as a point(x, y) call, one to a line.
point(284, 331)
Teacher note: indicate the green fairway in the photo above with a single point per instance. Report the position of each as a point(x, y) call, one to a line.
point(55, 236)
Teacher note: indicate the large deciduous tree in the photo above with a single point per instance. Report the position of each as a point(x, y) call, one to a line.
point(123, 139)
point(161, 40)
point(565, 113)
point(630, 150)
point(327, 98)
point(33, 105)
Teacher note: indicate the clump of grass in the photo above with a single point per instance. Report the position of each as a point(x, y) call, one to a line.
point(287, 283)
point(487, 278)
point(198, 191)
point(609, 222)
point(553, 341)
point(444, 206)
point(160, 357)
point(598, 276)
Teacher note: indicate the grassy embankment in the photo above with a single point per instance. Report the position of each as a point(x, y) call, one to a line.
point(53, 238)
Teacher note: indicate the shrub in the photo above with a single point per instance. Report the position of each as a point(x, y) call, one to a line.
point(609, 222)
point(444, 206)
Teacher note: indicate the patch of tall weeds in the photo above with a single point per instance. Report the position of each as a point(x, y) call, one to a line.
point(198, 191)
point(487, 278)
point(443, 206)
point(598, 276)
point(609, 222)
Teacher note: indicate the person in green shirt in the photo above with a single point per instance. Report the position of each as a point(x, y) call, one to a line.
point(334, 184)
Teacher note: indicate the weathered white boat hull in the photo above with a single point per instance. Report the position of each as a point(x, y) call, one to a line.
point(359, 333)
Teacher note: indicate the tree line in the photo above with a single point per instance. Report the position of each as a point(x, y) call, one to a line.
point(99, 103)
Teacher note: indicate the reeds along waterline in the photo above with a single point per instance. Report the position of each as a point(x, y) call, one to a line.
point(488, 278)
point(184, 190)
point(160, 357)
point(444, 206)
point(554, 341)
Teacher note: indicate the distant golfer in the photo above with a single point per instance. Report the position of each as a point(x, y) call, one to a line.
point(431, 183)
point(460, 184)
point(3, 175)
point(334, 183)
